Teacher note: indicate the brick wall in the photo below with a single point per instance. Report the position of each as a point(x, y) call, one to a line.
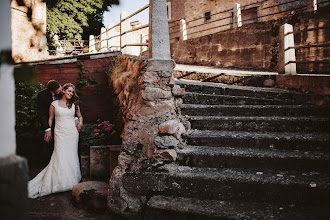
point(94, 102)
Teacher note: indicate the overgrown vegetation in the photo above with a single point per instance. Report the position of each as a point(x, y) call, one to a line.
point(75, 18)
point(83, 80)
point(27, 123)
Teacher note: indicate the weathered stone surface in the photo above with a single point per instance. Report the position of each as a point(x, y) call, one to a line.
point(269, 83)
point(114, 153)
point(168, 155)
point(177, 91)
point(152, 94)
point(84, 166)
point(92, 194)
point(99, 162)
point(13, 188)
point(178, 102)
point(173, 127)
point(165, 142)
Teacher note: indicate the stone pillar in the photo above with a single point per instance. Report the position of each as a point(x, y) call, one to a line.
point(91, 44)
point(237, 15)
point(160, 41)
point(104, 40)
point(286, 54)
point(13, 169)
point(312, 5)
point(183, 29)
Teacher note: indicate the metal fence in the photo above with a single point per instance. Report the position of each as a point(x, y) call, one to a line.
point(105, 39)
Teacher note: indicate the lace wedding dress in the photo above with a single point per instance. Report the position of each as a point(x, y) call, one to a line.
point(63, 170)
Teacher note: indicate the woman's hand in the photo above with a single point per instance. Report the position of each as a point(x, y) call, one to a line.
point(79, 126)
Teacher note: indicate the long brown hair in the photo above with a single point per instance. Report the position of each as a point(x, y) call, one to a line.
point(74, 98)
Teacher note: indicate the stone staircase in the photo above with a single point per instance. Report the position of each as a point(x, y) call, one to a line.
point(252, 153)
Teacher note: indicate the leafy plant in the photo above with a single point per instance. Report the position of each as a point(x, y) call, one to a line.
point(27, 122)
point(101, 133)
point(83, 80)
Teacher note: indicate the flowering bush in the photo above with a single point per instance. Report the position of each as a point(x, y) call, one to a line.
point(101, 133)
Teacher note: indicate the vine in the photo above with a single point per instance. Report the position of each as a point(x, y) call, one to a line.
point(83, 80)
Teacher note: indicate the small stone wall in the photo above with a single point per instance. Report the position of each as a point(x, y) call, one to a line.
point(149, 101)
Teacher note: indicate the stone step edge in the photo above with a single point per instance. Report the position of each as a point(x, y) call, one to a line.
point(235, 87)
point(251, 152)
point(325, 136)
point(302, 180)
point(260, 118)
point(238, 97)
point(222, 209)
point(201, 106)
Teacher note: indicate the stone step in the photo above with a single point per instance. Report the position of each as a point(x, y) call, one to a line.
point(265, 140)
point(247, 91)
point(162, 207)
point(210, 99)
point(254, 159)
point(232, 184)
point(254, 110)
point(269, 124)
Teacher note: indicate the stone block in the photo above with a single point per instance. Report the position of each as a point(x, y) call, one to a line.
point(173, 127)
point(91, 194)
point(152, 94)
point(84, 166)
point(100, 162)
point(165, 142)
point(114, 153)
point(178, 92)
point(13, 188)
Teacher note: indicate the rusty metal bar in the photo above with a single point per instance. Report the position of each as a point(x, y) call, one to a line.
point(310, 45)
point(137, 44)
point(309, 29)
point(135, 29)
point(135, 13)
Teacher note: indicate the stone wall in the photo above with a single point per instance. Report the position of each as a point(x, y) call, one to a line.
point(256, 45)
point(252, 47)
point(28, 34)
point(149, 101)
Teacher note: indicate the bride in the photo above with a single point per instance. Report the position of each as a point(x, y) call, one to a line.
point(63, 170)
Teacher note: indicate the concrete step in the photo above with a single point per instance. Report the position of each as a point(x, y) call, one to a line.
point(164, 208)
point(254, 110)
point(254, 159)
point(210, 99)
point(232, 184)
point(265, 140)
point(247, 91)
point(269, 124)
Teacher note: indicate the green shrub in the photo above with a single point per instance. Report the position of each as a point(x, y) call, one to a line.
point(27, 123)
point(101, 133)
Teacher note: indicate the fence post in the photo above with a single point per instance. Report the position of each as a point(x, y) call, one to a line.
point(312, 5)
point(91, 43)
point(238, 15)
point(286, 51)
point(104, 41)
point(183, 29)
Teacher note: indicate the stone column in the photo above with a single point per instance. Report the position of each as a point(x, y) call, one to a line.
point(104, 41)
point(13, 169)
point(183, 29)
point(237, 15)
point(286, 54)
point(91, 43)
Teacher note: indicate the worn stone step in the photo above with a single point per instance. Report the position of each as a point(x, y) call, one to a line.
point(162, 207)
point(232, 184)
point(265, 140)
point(255, 159)
point(232, 90)
point(252, 123)
point(254, 110)
point(210, 99)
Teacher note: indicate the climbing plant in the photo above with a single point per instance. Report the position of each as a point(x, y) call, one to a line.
point(83, 79)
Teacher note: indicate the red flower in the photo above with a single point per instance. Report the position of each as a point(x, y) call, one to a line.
point(102, 134)
point(96, 134)
point(107, 129)
point(96, 130)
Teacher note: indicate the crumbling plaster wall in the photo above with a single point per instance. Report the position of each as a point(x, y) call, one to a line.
point(28, 34)
point(149, 101)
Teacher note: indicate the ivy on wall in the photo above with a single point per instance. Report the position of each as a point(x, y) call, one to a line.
point(83, 79)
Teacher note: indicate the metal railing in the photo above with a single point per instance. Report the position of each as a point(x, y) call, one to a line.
point(99, 39)
point(69, 47)
point(224, 20)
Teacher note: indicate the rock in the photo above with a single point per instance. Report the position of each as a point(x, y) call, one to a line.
point(173, 127)
point(100, 162)
point(91, 194)
point(178, 92)
point(169, 155)
point(165, 142)
point(152, 94)
point(269, 83)
point(84, 166)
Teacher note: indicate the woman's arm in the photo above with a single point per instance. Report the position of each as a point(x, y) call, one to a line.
point(80, 118)
point(48, 134)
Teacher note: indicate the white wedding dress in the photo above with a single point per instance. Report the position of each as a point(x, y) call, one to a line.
point(63, 170)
